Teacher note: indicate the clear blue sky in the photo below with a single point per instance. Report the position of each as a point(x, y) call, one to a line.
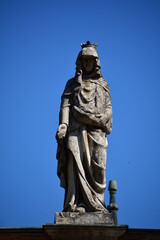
point(39, 43)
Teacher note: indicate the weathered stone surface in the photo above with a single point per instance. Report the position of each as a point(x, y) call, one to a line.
point(83, 218)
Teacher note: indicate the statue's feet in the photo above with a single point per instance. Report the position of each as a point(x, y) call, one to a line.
point(80, 209)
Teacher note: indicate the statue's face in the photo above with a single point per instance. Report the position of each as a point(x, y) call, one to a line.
point(88, 63)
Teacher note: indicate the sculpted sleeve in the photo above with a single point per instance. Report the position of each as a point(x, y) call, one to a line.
point(105, 103)
point(108, 113)
point(65, 104)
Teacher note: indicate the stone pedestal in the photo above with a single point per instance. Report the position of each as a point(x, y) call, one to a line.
point(85, 232)
point(84, 226)
point(84, 218)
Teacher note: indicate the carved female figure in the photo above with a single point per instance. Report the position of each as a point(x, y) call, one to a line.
point(85, 119)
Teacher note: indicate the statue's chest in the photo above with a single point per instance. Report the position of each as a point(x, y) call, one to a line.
point(90, 97)
point(88, 92)
point(87, 96)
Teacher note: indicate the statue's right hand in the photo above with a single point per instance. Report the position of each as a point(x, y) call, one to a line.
point(61, 132)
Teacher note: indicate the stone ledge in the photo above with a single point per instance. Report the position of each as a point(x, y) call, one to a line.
point(85, 232)
point(78, 232)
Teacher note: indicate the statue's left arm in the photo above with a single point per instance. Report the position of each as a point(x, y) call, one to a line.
point(106, 118)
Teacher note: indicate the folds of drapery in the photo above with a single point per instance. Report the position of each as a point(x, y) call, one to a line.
point(86, 110)
point(89, 156)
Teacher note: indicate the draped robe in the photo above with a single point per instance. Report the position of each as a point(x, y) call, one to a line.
point(86, 110)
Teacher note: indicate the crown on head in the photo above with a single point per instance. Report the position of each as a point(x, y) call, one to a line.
point(88, 44)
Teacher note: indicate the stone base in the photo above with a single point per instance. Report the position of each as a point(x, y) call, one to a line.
point(85, 232)
point(83, 218)
point(78, 232)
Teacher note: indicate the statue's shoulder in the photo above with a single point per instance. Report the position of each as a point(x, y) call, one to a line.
point(103, 83)
point(70, 82)
point(69, 86)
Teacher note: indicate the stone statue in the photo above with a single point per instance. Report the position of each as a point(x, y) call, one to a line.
point(85, 119)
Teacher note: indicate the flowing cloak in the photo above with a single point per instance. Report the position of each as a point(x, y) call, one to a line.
point(86, 110)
